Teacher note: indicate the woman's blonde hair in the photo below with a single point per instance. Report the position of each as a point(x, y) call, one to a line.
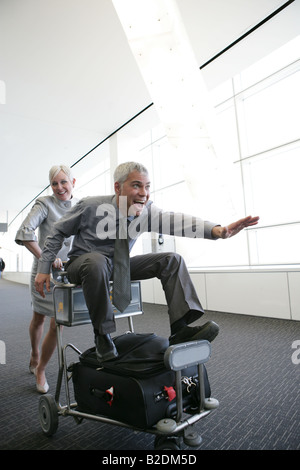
point(57, 168)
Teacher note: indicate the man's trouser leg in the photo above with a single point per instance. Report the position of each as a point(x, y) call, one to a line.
point(179, 290)
point(93, 272)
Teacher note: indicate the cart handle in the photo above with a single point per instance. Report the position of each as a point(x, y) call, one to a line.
point(183, 355)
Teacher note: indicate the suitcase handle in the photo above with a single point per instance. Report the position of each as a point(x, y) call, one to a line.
point(107, 395)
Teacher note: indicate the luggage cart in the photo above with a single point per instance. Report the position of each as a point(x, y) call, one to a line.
point(71, 310)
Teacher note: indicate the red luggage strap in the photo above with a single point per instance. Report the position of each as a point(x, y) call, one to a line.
point(170, 393)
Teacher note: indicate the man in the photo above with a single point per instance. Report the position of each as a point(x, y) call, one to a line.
point(96, 223)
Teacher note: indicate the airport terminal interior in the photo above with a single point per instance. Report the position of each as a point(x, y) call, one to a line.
point(206, 96)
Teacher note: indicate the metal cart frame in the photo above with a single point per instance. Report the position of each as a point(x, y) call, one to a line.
point(168, 432)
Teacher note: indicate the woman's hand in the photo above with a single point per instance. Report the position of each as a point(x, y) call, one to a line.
point(57, 264)
point(40, 280)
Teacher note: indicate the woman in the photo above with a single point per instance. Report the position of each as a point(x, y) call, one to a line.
point(44, 213)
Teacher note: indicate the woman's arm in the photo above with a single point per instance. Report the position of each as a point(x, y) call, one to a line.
point(33, 247)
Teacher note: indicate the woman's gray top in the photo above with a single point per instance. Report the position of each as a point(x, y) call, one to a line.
point(44, 213)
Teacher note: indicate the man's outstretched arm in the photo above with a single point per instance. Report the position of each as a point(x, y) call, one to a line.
point(234, 228)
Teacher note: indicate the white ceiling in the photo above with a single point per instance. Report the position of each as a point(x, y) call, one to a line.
point(71, 79)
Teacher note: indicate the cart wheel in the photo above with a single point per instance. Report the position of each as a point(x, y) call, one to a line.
point(48, 414)
point(166, 443)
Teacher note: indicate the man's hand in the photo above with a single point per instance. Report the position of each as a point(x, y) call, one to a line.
point(234, 228)
point(40, 280)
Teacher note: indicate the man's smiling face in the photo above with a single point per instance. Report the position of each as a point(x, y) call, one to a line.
point(137, 191)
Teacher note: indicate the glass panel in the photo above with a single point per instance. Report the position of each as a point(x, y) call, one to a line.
point(222, 92)
point(227, 145)
point(275, 245)
point(231, 202)
point(272, 116)
point(98, 185)
point(214, 253)
point(270, 64)
point(272, 185)
point(176, 198)
point(167, 169)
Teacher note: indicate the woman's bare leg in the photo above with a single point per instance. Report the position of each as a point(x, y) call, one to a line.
point(48, 347)
point(36, 329)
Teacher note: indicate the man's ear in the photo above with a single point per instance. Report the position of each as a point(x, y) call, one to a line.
point(117, 187)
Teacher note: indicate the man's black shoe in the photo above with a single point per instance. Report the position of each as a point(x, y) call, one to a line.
point(193, 333)
point(105, 348)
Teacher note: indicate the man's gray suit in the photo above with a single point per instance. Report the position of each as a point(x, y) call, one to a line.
point(94, 223)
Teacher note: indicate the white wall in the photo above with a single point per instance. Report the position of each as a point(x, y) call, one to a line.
point(258, 292)
point(21, 278)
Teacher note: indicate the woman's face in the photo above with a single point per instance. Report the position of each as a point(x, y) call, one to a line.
point(62, 187)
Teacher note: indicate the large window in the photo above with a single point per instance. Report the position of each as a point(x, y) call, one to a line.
point(268, 116)
point(258, 116)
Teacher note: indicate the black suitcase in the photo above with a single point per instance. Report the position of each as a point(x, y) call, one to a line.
point(136, 388)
